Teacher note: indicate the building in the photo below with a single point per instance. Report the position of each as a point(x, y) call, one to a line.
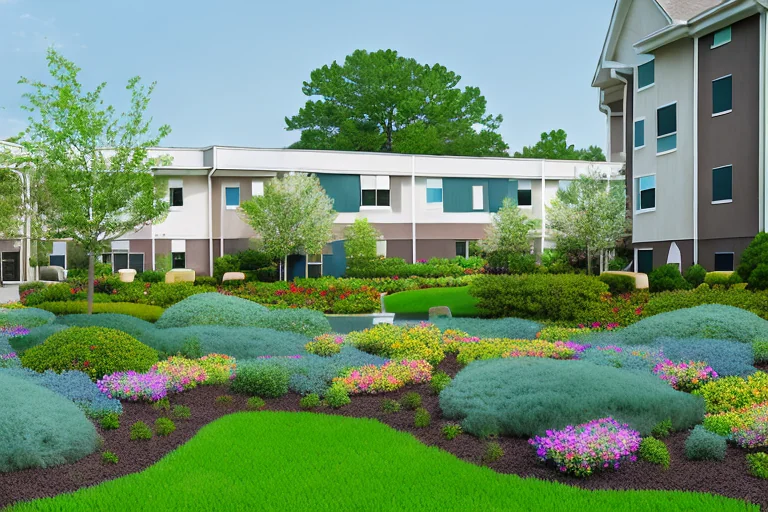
point(683, 87)
point(439, 202)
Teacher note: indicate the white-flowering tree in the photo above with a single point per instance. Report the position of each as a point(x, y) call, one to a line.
point(294, 216)
point(590, 215)
point(509, 231)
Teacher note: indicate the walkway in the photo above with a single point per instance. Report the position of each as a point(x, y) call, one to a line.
point(9, 293)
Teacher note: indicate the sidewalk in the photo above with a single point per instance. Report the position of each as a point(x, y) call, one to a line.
point(9, 293)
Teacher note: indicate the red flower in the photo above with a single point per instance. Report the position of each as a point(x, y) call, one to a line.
point(86, 363)
point(323, 293)
point(114, 292)
point(72, 291)
point(615, 310)
point(93, 347)
point(639, 311)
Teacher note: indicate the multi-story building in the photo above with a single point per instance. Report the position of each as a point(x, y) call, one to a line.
point(683, 86)
point(424, 206)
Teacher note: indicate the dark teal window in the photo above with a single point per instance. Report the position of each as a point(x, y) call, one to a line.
point(178, 260)
point(723, 262)
point(57, 260)
point(461, 249)
point(646, 192)
point(646, 74)
point(722, 183)
point(639, 133)
point(232, 195)
point(645, 261)
point(524, 193)
point(344, 189)
point(722, 95)
point(666, 128)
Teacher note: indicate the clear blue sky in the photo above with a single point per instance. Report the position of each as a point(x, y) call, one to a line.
point(229, 72)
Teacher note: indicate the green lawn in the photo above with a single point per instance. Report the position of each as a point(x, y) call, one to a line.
point(303, 461)
point(419, 301)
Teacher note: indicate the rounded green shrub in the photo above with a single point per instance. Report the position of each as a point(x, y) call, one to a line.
point(755, 254)
point(96, 351)
point(618, 284)
point(654, 451)
point(164, 426)
point(411, 400)
point(40, 428)
point(136, 327)
point(695, 275)
point(264, 380)
point(758, 464)
point(702, 444)
point(142, 311)
point(667, 278)
point(211, 309)
point(527, 396)
point(758, 279)
point(337, 396)
point(722, 279)
point(140, 431)
point(255, 403)
point(310, 401)
point(422, 418)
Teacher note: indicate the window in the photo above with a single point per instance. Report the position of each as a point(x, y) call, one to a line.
point(314, 265)
point(58, 256)
point(375, 190)
point(461, 248)
point(666, 129)
point(477, 197)
point(644, 263)
point(176, 192)
point(722, 95)
point(257, 188)
point(106, 258)
point(232, 195)
point(721, 37)
point(646, 75)
point(723, 262)
point(524, 193)
point(722, 184)
point(646, 193)
point(178, 260)
point(136, 262)
point(564, 184)
point(640, 133)
point(381, 248)
point(434, 190)
point(119, 261)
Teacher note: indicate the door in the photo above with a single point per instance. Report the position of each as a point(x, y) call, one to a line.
point(645, 261)
point(11, 266)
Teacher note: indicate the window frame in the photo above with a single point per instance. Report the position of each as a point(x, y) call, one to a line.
point(724, 112)
point(313, 264)
point(381, 248)
point(714, 45)
point(376, 189)
point(638, 190)
point(666, 135)
point(529, 189)
point(648, 86)
point(257, 188)
point(722, 201)
point(171, 197)
point(173, 260)
point(175, 184)
point(634, 133)
point(733, 261)
point(466, 248)
point(239, 197)
point(440, 188)
point(637, 257)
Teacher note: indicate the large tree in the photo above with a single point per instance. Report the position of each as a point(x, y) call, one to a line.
point(294, 216)
point(90, 162)
point(554, 146)
point(381, 101)
point(590, 215)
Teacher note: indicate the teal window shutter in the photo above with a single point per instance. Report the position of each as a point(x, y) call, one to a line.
point(646, 74)
point(233, 196)
point(722, 95)
point(722, 183)
point(645, 261)
point(666, 128)
point(513, 191)
point(639, 133)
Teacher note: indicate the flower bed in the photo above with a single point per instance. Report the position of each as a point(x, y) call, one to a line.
point(184, 373)
point(685, 376)
point(390, 376)
point(747, 427)
point(219, 368)
point(422, 341)
point(731, 393)
point(469, 351)
point(325, 345)
point(589, 447)
point(338, 297)
point(135, 386)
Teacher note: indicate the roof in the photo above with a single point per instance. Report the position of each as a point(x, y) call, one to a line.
point(683, 10)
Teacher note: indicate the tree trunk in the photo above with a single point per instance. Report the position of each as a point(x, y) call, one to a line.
point(90, 283)
point(589, 262)
point(285, 269)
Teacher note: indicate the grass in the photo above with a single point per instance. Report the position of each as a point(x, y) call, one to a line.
point(142, 311)
point(304, 461)
point(419, 301)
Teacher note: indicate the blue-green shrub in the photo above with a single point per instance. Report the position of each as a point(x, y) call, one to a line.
point(756, 302)
point(139, 329)
point(40, 428)
point(513, 328)
point(211, 309)
point(28, 317)
point(524, 397)
point(702, 444)
point(302, 321)
point(36, 336)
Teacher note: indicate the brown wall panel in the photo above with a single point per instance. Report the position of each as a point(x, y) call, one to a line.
point(708, 248)
point(400, 249)
point(426, 249)
point(233, 245)
point(661, 251)
point(144, 247)
point(197, 256)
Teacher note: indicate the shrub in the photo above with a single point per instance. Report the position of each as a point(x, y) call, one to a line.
point(704, 445)
point(695, 275)
point(135, 386)
point(219, 368)
point(95, 351)
point(140, 431)
point(310, 401)
point(360, 240)
point(181, 412)
point(421, 418)
point(667, 278)
point(35, 337)
point(27, 317)
point(325, 345)
point(184, 373)
point(266, 380)
point(151, 276)
point(211, 309)
point(618, 283)
point(301, 321)
point(580, 450)
point(440, 381)
point(422, 341)
point(755, 254)
point(255, 403)
point(164, 427)
point(759, 351)
point(662, 429)
point(142, 311)
point(523, 397)
point(724, 356)
point(758, 464)
point(492, 453)
point(337, 396)
point(722, 279)
point(758, 279)
point(109, 458)
point(755, 302)
point(390, 267)
point(167, 294)
point(136, 327)
point(206, 281)
point(513, 328)
point(411, 401)
point(685, 376)
point(224, 264)
point(388, 377)
point(389, 406)
point(734, 392)
point(451, 431)
point(110, 421)
point(554, 297)
point(753, 432)
point(655, 452)
point(40, 428)
point(225, 400)
point(495, 348)
point(162, 405)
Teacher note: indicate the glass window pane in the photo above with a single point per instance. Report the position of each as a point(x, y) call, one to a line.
point(722, 95)
point(724, 262)
point(647, 182)
point(179, 260)
point(666, 120)
point(722, 183)
point(369, 198)
point(177, 197)
point(382, 198)
point(645, 261)
point(639, 133)
point(434, 195)
point(564, 184)
point(645, 74)
point(524, 197)
point(120, 262)
point(461, 248)
point(56, 260)
point(315, 258)
point(721, 37)
point(314, 270)
point(648, 199)
point(233, 196)
point(667, 143)
point(136, 262)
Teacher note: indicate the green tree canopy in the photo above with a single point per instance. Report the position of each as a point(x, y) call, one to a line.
point(509, 230)
point(554, 146)
point(361, 239)
point(381, 101)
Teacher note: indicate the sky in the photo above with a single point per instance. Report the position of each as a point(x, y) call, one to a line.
point(229, 72)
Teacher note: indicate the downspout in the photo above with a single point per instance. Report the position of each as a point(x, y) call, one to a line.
point(413, 208)
point(696, 150)
point(210, 214)
point(607, 111)
point(763, 186)
point(543, 205)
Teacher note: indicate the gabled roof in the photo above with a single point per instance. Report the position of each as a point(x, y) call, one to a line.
point(683, 10)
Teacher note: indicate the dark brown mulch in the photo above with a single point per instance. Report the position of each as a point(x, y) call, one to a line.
point(729, 477)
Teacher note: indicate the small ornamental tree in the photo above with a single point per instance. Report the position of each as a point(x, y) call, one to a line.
point(294, 216)
point(91, 162)
point(361, 240)
point(508, 233)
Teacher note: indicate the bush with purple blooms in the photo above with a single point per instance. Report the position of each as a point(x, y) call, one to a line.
point(135, 386)
point(581, 450)
point(685, 376)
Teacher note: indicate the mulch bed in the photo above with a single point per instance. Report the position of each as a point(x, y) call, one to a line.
point(729, 477)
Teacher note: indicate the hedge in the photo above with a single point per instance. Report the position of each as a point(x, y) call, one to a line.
point(142, 311)
point(28, 317)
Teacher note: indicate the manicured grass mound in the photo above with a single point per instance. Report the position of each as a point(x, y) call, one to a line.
point(143, 311)
point(40, 428)
point(510, 328)
point(524, 397)
point(211, 309)
point(419, 301)
point(96, 351)
point(278, 461)
point(28, 317)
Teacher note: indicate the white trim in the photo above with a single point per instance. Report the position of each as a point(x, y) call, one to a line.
point(695, 150)
point(376, 208)
point(646, 210)
point(381, 248)
point(668, 151)
point(239, 196)
point(636, 251)
point(646, 87)
point(718, 114)
point(257, 188)
point(478, 201)
point(723, 201)
point(730, 37)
